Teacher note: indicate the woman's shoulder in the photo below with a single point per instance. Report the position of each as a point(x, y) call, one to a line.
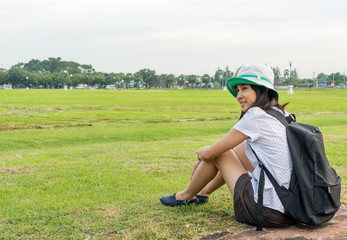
point(285, 112)
point(255, 111)
point(253, 115)
point(258, 113)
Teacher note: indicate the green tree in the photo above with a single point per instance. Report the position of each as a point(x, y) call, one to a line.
point(87, 68)
point(149, 77)
point(56, 65)
point(206, 79)
point(221, 76)
point(33, 65)
point(192, 79)
point(71, 67)
point(98, 79)
point(53, 64)
point(166, 80)
point(57, 80)
point(294, 75)
point(137, 78)
point(33, 80)
point(322, 77)
point(88, 79)
point(111, 79)
point(226, 75)
point(180, 80)
point(337, 78)
point(46, 79)
point(18, 65)
point(170, 80)
point(64, 77)
point(218, 75)
point(162, 80)
point(18, 76)
point(127, 78)
point(120, 79)
point(4, 77)
point(77, 79)
point(277, 74)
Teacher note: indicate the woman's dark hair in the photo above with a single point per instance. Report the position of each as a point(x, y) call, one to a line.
point(266, 99)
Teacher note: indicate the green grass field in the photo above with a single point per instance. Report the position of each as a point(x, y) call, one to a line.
point(93, 164)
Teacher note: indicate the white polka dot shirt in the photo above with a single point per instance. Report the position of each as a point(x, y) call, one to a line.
point(267, 136)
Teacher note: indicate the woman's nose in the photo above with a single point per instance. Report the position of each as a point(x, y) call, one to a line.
point(239, 95)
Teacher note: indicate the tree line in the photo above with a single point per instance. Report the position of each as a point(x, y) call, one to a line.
point(56, 73)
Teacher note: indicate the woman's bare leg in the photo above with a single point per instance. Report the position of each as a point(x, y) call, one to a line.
point(218, 181)
point(205, 172)
point(213, 185)
point(230, 168)
point(240, 152)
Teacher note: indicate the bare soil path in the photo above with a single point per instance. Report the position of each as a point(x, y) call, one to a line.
point(335, 229)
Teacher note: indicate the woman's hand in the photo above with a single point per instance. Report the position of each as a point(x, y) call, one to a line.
point(201, 153)
point(194, 169)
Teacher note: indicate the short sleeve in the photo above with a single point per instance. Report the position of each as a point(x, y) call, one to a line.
point(248, 124)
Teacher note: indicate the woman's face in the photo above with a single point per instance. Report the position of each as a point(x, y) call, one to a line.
point(246, 96)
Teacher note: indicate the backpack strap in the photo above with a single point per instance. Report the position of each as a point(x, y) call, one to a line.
point(280, 117)
point(278, 188)
point(260, 204)
point(268, 174)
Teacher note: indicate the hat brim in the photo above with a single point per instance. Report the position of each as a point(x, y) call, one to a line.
point(232, 82)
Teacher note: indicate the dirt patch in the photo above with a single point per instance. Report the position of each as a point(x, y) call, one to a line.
point(13, 170)
point(335, 137)
point(335, 229)
point(33, 127)
point(324, 113)
point(111, 211)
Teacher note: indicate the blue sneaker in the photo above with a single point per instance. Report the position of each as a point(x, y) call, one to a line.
point(171, 201)
point(202, 199)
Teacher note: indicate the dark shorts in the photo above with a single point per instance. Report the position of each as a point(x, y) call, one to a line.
point(245, 207)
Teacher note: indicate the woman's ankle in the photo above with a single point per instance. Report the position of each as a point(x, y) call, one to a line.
point(204, 193)
point(183, 196)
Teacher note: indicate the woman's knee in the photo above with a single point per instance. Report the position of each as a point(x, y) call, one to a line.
point(229, 159)
point(241, 155)
point(226, 156)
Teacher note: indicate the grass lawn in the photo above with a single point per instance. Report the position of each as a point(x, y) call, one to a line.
point(86, 164)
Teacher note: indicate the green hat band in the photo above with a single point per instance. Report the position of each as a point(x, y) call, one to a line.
point(254, 76)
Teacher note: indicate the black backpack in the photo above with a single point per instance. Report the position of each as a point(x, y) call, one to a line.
point(313, 196)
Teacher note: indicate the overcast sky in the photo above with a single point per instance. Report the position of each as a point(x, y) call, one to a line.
point(177, 36)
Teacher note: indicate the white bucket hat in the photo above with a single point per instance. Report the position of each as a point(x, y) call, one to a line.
point(256, 74)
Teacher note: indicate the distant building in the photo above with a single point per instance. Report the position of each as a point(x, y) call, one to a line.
point(6, 86)
point(111, 86)
point(304, 85)
point(82, 86)
point(325, 84)
point(282, 87)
